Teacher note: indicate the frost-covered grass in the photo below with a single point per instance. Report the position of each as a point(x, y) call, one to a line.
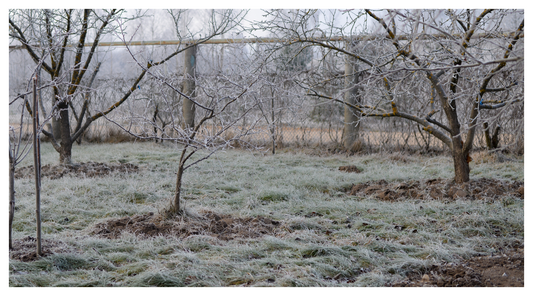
point(328, 238)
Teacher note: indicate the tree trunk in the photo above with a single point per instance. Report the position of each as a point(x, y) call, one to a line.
point(351, 116)
point(175, 209)
point(460, 163)
point(189, 87)
point(494, 141)
point(37, 166)
point(65, 155)
point(273, 125)
point(154, 120)
point(56, 129)
point(56, 122)
point(11, 197)
point(488, 139)
point(491, 141)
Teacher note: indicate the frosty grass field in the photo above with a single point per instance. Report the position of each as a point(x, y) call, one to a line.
point(292, 219)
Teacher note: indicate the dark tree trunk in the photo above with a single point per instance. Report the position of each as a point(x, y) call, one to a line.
point(461, 161)
point(65, 154)
point(154, 120)
point(494, 141)
point(56, 129)
point(175, 208)
point(273, 125)
point(37, 166)
point(491, 141)
point(11, 198)
point(488, 139)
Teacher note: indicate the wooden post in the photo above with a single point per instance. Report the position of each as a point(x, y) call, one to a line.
point(37, 165)
point(351, 116)
point(189, 87)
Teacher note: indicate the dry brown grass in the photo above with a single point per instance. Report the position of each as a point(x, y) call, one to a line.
point(300, 137)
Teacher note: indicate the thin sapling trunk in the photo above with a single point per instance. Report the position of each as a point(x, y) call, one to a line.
point(37, 165)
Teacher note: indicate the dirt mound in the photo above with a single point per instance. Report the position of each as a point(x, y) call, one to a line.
point(485, 189)
point(221, 226)
point(502, 270)
point(26, 249)
point(80, 170)
point(349, 169)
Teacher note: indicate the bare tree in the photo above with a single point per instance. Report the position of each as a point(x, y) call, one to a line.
point(216, 126)
point(51, 33)
point(209, 122)
point(460, 61)
point(19, 148)
point(20, 135)
point(56, 30)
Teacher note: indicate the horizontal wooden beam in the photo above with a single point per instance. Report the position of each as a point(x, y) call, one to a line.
point(275, 40)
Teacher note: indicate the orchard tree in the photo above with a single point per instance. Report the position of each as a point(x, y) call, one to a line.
point(27, 126)
point(207, 120)
point(62, 35)
point(471, 78)
point(414, 64)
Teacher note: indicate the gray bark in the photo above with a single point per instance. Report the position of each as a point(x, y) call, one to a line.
point(189, 87)
point(351, 116)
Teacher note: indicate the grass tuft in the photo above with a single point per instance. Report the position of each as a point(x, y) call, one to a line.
point(158, 279)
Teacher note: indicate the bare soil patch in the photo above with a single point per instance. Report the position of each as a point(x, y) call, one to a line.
point(349, 169)
point(79, 170)
point(497, 270)
point(221, 226)
point(26, 249)
point(439, 189)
